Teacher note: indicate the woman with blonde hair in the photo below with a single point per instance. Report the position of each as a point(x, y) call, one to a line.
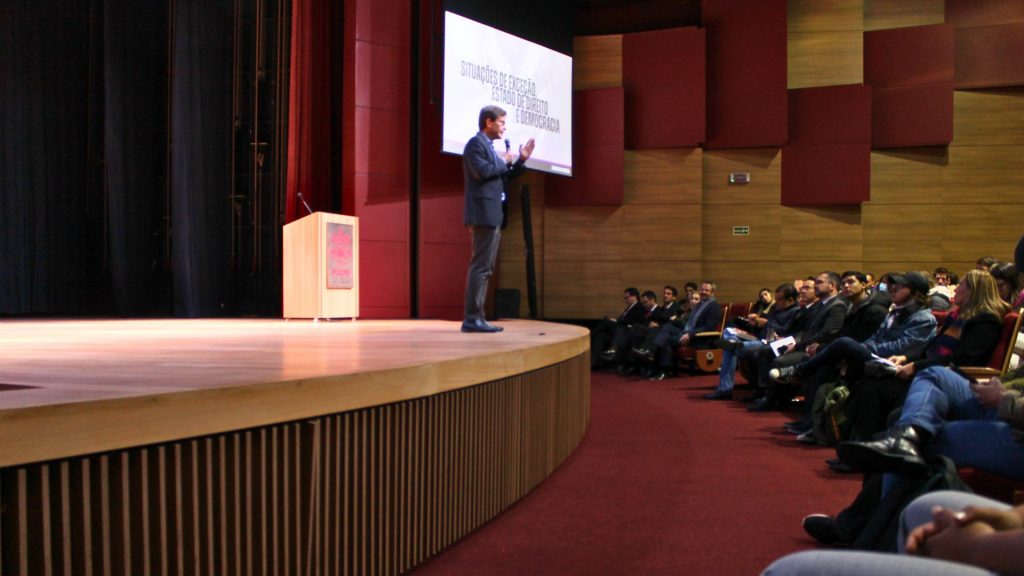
point(966, 337)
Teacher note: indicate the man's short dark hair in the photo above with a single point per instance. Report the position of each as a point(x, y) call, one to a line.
point(786, 291)
point(860, 276)
point(941, 270)
point(672, 289)
point(691, 285)
point(649, 294)
point(710, 283)
point(491, 112)
point(833, 277)
point(633, 292)
point(987, 261)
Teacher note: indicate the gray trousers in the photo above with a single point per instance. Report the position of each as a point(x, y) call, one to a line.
point(850, 563)
point(486, 240)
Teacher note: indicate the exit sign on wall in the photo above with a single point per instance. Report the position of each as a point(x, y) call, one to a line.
point(741, 230)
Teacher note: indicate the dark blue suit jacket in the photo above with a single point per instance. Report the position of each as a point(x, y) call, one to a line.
point(485, 175)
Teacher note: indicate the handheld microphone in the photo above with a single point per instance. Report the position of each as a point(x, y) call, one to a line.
point(304, 203)
point(508, 146)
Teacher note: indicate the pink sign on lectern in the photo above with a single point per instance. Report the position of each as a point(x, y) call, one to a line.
point(339, 255)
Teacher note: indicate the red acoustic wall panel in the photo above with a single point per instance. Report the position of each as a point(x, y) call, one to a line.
point(990, 56)
point(828, 159)
point(375, 162)
point(826, 174)
point(746, 73)
point(598, 152)
point(908, 56)
point(663, 78)
point(910, 71)
point(912, 116)
point(974, 13)
point(831, 115)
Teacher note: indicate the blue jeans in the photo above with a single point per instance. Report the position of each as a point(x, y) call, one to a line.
point(730, 357)
point(938, 394)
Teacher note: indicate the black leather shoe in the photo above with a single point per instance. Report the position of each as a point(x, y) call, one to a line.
point(479, 326)
point(837, 465)
point(761, 405)
point(718, 395)
point(822, 528)
point(899, 447)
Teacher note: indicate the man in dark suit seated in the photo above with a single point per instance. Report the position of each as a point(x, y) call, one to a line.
point(824, 323)
point(603, 335)
point(485, 176)
point(706, 318)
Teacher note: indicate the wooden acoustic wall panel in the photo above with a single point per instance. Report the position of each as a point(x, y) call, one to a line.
point(884, 14)
point(992, 117)
point(597, 62)
point(373, 491)
point(746, 73)
point(598, 142)
point(824, 43)
point(764, 166)
point(907, 175)
point(989, 56)
point(984, 175)
point(828, 160)
point(375, 170)
point(910, 71)
point(903, 233)
point(663, 78)
point(663, 176)
point(755, 205)
point(825, 15)
point(982, 230)
point(832, 234)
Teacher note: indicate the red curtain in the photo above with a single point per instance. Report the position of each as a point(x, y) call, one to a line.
point(309, 112)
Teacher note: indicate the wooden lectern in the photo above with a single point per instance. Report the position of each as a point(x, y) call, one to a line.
point(321, 267)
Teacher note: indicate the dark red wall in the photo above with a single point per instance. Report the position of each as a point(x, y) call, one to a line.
point(375, 162)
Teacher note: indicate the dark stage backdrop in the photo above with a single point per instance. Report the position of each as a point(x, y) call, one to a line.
point(141, 164)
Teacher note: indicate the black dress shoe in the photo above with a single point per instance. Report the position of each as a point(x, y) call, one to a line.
point(479, 326)
point(822, 528)
point(718, 395)
point(837, 465)
point(761, 405)
point(898, 448)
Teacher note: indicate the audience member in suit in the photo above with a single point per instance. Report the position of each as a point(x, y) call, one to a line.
point(908, 324)
point(746, 346)
point(634, 333)
point(602, 336)
point(485, 175)
point(705, 318)
point(823, 326)
point(671, 310)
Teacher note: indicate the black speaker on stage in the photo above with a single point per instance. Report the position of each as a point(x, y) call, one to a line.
point(506, 303)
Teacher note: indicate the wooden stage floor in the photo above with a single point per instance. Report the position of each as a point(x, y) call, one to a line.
point(83, 384)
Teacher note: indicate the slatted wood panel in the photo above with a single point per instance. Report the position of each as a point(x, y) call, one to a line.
point(372, 491)
point(825, 44)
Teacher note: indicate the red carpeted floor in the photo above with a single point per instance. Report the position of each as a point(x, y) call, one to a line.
point(663, 483)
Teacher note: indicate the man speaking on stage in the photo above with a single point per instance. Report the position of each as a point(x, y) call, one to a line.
point(486, 173)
